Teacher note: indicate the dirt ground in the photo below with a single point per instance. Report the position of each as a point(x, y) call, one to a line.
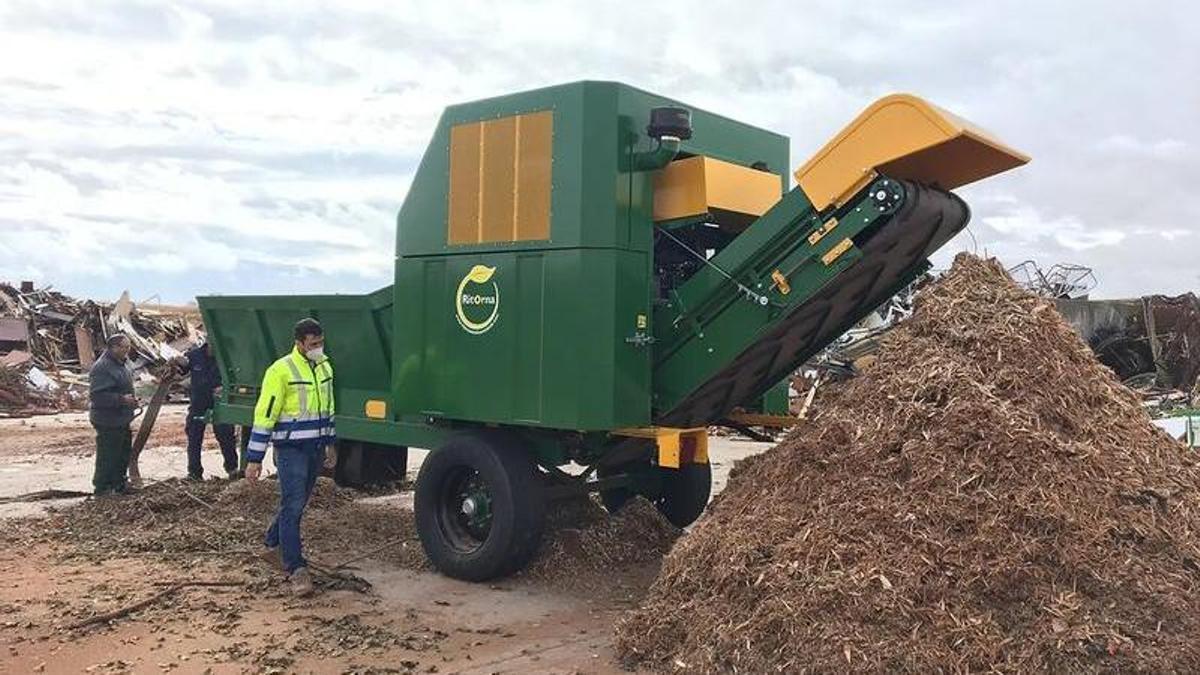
point(408, 622)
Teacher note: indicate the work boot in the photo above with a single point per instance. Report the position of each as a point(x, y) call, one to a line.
point(272, 557)
point(234, 474)
point(301, 582)
point(195, 478)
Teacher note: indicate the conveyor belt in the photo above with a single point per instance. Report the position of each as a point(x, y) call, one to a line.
point(891, 255)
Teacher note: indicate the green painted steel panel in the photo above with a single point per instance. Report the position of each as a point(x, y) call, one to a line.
point(556, 354)
point(545, 336)
point(529, 366)
point(775, 401)
point(710, 319)
point(560, 353)
point(249, 332)
point(597, 127)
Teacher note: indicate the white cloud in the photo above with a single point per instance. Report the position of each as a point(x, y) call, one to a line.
point(183, 144)
point(1026, 224)
point(1124, 144)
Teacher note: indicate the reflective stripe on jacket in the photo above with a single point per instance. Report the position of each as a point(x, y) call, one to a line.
point(295, 404)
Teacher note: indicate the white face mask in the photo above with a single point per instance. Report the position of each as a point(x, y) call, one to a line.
point(315, 354)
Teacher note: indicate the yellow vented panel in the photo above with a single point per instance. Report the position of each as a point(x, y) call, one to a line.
point(533, 177)
point(697, 185)
point(465, 145)
point(500, 179)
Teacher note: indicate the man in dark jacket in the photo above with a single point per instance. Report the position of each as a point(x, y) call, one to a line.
point(206, 387)
point(112, 407)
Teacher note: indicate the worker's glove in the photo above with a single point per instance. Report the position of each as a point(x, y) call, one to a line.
point(253, 471)
point(330, 456)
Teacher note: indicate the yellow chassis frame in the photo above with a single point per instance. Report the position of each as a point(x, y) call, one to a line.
point(676, 447)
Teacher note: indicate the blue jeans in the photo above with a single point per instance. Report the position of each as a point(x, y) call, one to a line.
point(299, 465)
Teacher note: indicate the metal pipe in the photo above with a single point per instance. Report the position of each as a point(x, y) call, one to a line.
point(660, 156)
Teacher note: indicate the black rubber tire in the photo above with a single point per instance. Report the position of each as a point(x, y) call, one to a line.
point(685, 493)
point(613, 498)
point(361, 464)
point(682, 496)
point(349, 469)
point(517, 505)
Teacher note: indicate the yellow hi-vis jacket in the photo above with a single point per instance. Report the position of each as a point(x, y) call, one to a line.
point(294, 406)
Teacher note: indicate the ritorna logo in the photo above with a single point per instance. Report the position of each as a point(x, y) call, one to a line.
point(477, 300)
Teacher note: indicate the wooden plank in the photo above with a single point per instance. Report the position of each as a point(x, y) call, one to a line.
point(83, 344)
point(148, 418)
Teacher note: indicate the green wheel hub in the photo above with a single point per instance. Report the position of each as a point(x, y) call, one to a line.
point(466, 509)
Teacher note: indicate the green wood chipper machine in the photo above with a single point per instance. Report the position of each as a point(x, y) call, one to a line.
point(589, 275)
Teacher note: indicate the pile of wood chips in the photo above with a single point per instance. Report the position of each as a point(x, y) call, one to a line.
point(179, 520)
point(986, 496)
point(583, 540)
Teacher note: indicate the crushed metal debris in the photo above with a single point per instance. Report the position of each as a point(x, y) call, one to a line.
point(1152, 342)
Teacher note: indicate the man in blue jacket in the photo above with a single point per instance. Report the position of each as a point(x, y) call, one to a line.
point(112, 404)
point(201, 365)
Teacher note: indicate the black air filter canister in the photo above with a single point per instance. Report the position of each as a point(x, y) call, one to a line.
point(675, 122)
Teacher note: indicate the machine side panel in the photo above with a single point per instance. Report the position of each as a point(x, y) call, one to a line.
point(249, 332)
point(524, 338)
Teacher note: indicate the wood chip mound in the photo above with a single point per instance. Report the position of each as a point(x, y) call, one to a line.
point(987, 496)
point(180, 519)
point(582, 537)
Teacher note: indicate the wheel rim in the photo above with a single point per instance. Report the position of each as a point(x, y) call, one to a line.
point(465, 510)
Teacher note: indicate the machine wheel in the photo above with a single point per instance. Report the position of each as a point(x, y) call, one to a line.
point(685, 493)
point(361, 464)
point(681, 496)
point(614, 498)
point(479, 507)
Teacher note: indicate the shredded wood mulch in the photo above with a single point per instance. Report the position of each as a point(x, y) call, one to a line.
point(986, 497)
point(181, 521)
point(584, 541)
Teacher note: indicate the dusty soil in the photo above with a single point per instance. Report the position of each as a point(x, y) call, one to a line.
point(70, 435)
point(411, 620)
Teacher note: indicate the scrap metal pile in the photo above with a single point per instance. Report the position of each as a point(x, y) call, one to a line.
point(987, 496)
point(1062, 281)
point(1152, 343)
point(48, 341)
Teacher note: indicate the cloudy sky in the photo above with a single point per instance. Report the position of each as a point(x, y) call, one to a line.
point(178, 148)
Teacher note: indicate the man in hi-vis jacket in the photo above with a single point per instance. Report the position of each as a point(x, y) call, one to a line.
point(295, 414)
